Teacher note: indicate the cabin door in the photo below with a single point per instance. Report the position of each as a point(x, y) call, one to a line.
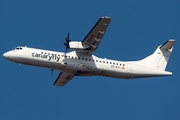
point(130, 68)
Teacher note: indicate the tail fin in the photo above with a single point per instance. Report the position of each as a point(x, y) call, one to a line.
point(160, 57)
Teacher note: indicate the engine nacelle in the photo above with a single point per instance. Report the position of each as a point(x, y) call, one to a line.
point(77, 45)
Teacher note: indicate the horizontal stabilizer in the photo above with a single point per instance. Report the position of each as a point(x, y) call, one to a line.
point(168, 45)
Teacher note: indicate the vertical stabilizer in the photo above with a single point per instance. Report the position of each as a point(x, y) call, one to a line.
point(160, 57)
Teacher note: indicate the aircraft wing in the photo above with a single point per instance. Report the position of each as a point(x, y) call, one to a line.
point(94, 37)
point(63, 78)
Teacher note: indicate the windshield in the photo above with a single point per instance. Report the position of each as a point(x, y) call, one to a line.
point(18, 48)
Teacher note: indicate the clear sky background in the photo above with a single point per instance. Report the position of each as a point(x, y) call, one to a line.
point(136, 29)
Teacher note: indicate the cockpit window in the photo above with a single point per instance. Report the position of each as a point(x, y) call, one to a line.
point(18, 48)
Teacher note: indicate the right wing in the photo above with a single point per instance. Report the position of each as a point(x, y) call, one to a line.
point(94, 37)
point(63, 78)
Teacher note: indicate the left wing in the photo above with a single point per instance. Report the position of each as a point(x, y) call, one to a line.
point(94, 37)
point(63, 78)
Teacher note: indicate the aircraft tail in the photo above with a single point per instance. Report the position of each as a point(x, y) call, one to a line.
point(160, 57)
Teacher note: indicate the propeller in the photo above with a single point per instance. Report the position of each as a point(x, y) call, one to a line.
point(67, 42)
point(51, 72)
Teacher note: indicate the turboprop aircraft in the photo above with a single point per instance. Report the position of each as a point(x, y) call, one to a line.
point(82, 62)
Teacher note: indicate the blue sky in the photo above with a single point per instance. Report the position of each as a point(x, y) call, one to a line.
point(136, 29)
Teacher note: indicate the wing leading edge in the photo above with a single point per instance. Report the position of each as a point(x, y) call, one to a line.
point(94, 37)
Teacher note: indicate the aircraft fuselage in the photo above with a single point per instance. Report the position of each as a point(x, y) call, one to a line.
point(81, 64)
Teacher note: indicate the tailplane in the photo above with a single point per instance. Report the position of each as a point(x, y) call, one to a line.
point(160, 57)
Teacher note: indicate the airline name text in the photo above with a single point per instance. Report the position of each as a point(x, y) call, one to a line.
point(49, 56)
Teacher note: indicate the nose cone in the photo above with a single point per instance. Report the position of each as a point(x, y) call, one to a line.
point(6, 55)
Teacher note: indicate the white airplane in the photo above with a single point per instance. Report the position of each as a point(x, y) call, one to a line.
point(82, 62)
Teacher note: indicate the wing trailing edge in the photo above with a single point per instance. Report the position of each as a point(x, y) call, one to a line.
point(63, 78)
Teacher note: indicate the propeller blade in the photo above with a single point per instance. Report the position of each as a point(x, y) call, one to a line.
point(68, 36)
point(67, 42)
point(51, 72)
point(66, 50)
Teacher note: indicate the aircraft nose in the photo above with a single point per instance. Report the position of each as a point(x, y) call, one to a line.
point(6, 55)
